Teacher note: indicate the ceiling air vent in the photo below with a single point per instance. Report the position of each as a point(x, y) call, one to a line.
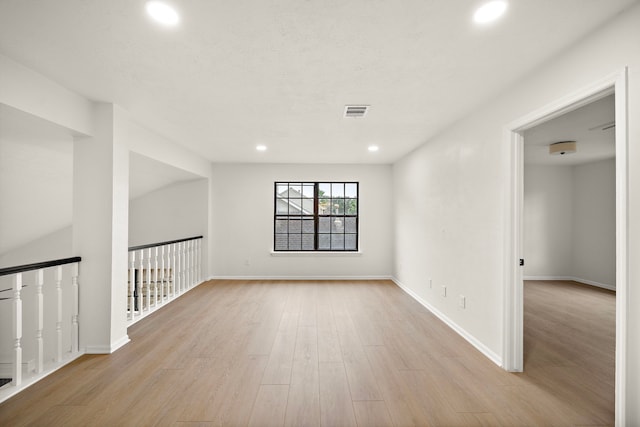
point(355, 110)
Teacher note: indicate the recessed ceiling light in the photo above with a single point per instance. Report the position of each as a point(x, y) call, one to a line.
point(489, 12)
point(162, 13)
point(373, 148)
point(261, 147)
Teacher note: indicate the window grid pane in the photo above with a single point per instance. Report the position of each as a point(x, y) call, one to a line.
point(316, 216)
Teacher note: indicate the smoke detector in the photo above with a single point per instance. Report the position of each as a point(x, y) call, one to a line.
point(355, 111)
point(562, 148)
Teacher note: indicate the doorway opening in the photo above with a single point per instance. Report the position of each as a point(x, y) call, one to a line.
point(568, 231)
point(514, 260)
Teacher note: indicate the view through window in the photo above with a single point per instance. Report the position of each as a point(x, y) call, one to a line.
point(316, 216)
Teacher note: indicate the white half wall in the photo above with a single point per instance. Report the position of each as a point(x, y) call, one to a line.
point(243, 218)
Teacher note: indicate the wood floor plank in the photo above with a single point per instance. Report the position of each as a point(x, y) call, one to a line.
point(329, 346)
point(328, 343)
point(403, 407)
point(336, 407)
point(303, 407)
point(270, 406)
point(362, 382)
point(372, 414)
point(347, 353)
point(233, 406)
point(278, 370)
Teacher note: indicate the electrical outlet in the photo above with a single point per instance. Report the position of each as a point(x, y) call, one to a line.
point(430, 283)
point(246, 262)
point(463, 301)
point(444, 291)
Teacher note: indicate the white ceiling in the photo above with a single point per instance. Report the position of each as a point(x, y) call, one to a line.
point(238, 73)
point(584, 125)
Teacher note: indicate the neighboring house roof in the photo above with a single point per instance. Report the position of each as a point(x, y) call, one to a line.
point(294, 200)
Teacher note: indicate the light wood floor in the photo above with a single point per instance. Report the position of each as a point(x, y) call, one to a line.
point(333, 354)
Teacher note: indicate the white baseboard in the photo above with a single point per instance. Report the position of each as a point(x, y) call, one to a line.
point(300, 278)
point(107, 349)
point(453, 325)
point(574, 279)
point(28, 380)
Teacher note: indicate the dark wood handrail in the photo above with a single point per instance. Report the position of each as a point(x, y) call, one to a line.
point(38, 265)
point(168, 242)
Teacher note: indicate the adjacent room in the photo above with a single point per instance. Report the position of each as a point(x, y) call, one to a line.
point(569, 227)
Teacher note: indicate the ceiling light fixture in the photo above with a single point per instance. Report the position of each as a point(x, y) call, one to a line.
point(489, 12)
point(261, 147)
point(373, 148)
point(562, 148)
point(162, 13)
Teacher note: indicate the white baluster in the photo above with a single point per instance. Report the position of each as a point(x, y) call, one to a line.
point(176, 270)
point(182, 267)
point(173, 270)
point(17, 330)
point(162, 274)
point(199, 261)
point(155, 277)
point(168, 273)
point(132, 283)
point(179, 269)
point(140, 281)
point(58, 279)
point(194, 277)
point(188, 263)
point(40, 320)
point(148, 277)
point(75, 336)
point(164, 267)
point(193, 263)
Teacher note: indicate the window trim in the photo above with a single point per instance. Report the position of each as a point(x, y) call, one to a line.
point(316, 219)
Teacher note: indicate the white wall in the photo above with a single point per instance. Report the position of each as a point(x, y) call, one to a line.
point(173, 212)
point(548, 221)
point(243, 222)
point(569, 222)
point(55, 245)
point(451, 195)
point(152, 145)
point(594, 228)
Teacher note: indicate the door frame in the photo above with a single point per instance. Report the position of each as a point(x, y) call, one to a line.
point(513, 339)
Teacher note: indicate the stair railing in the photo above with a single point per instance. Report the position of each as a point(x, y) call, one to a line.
point(26, 275)
point(161, 272)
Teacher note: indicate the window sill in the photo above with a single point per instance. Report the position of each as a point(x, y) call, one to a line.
point(317, 254)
